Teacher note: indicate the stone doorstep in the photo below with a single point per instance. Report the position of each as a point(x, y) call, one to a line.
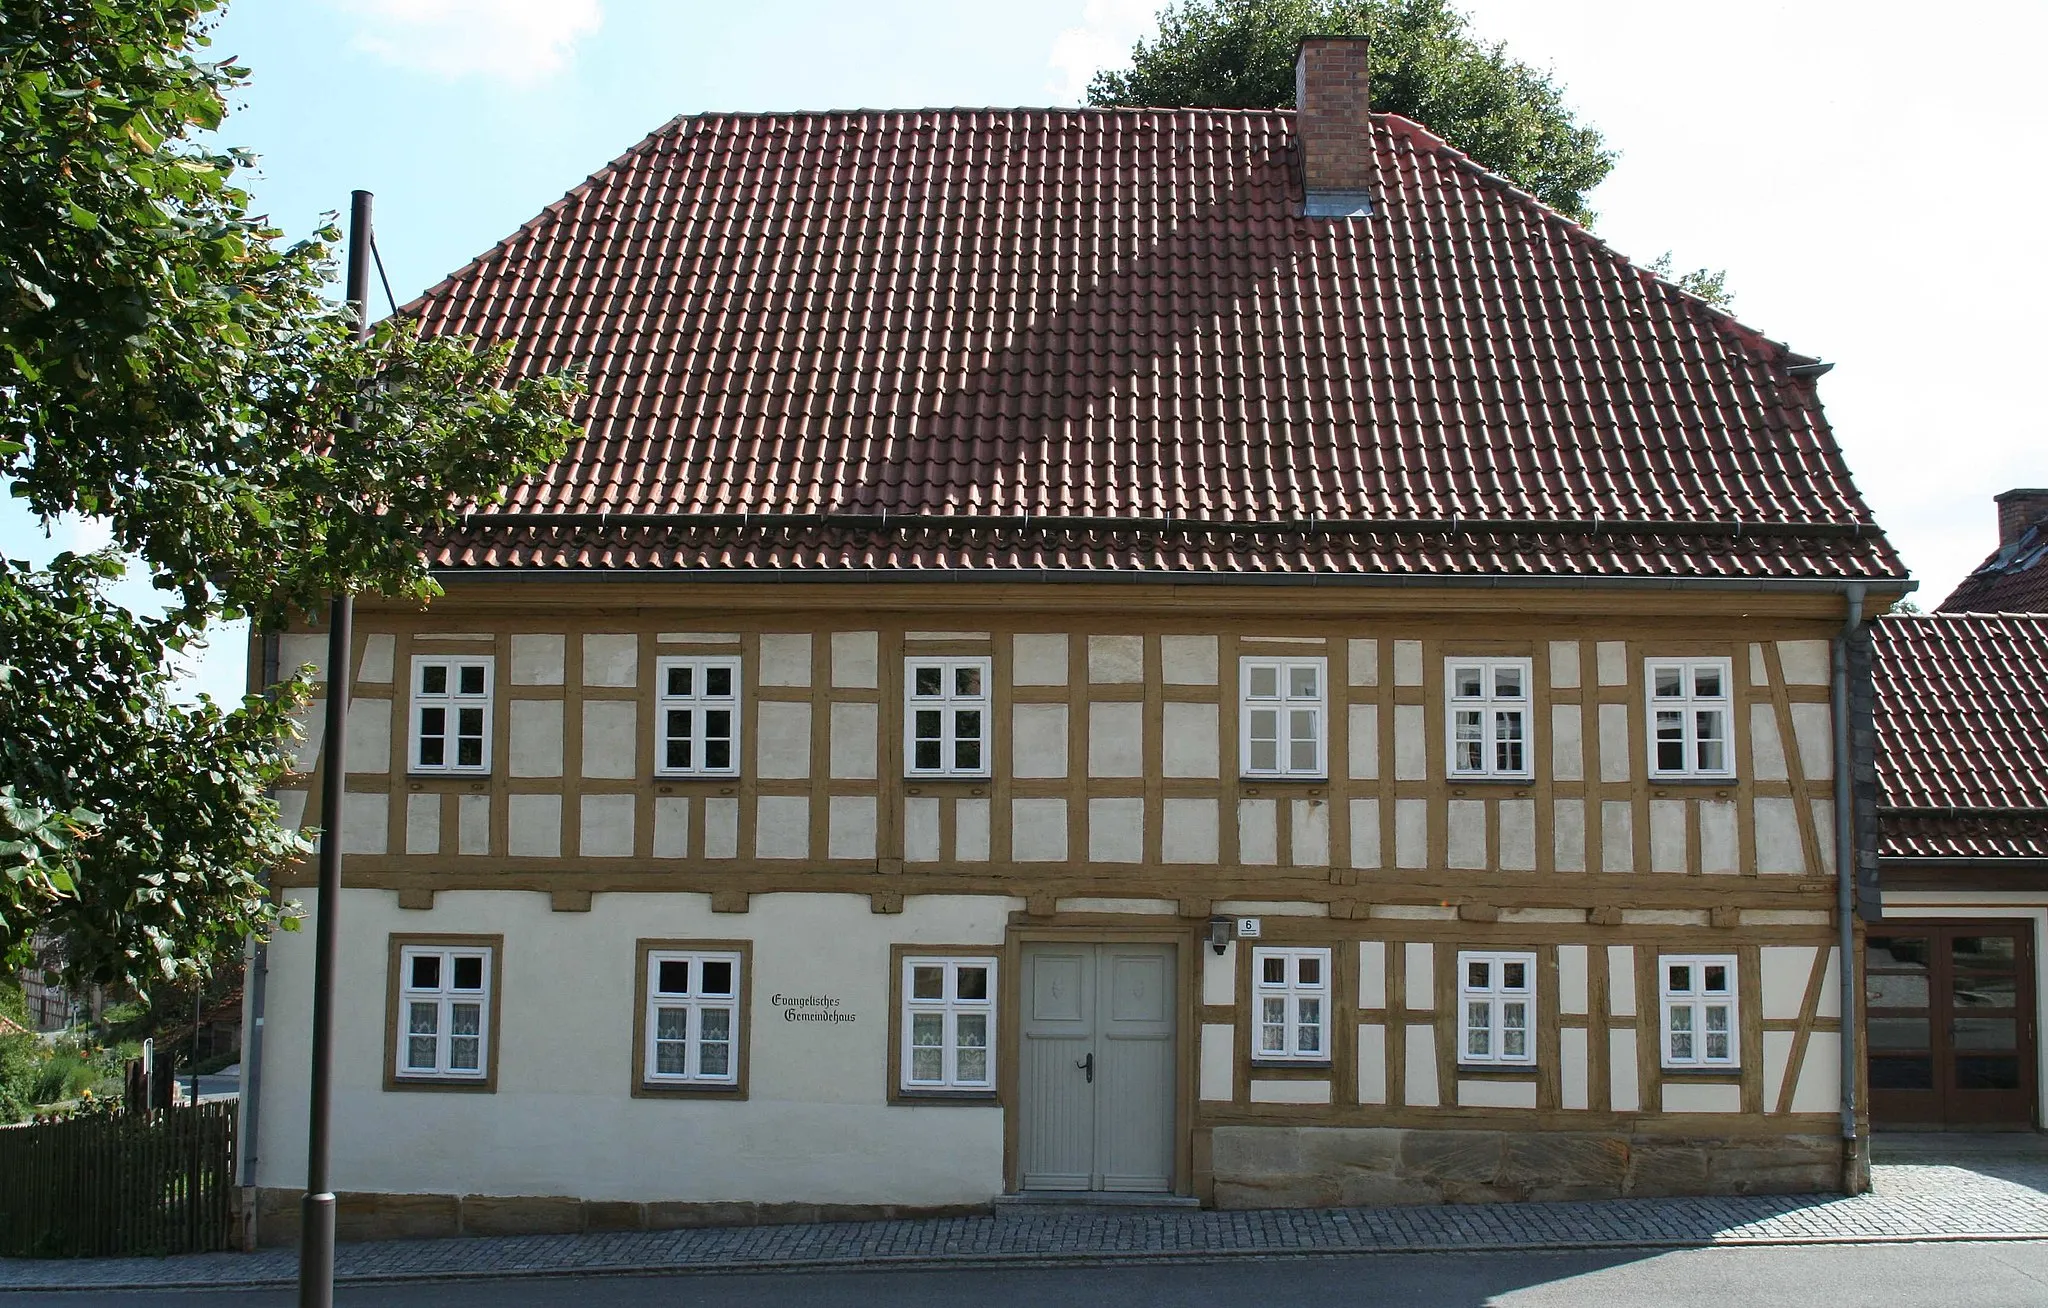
point(1086, 1203)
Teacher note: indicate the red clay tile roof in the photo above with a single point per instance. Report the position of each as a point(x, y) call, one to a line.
point(2013, 580)
point(972, 321)
point(1962, 735)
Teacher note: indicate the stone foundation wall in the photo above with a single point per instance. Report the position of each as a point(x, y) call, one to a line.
point(1327, 1166)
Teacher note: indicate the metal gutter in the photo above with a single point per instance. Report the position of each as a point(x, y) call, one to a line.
point(2017, 863)
point(255, 979)
point(1845, 891)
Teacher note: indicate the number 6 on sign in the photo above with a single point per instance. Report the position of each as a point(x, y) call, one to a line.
point(1248, 928)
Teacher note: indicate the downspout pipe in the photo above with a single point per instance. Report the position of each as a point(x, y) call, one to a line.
point(255, 975)
point(1845, 890)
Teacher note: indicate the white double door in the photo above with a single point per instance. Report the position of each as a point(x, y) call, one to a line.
point(1097, 1067)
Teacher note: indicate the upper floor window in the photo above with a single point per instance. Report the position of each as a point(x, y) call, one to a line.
point(1497, 998)
point(1690, 713)
point(444, 1013)
point(697, 704)
point(1281, 717)
point(1292, 990)
point(692, 1022)
point(451, 714)
point(946, 725)
point(1698, 993)
point(1488, 717)
point(948, 1024)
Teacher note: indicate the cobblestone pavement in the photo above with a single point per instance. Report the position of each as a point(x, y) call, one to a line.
point(1967, 1200)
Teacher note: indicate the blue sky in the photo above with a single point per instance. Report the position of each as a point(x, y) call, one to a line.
point(1866, 176)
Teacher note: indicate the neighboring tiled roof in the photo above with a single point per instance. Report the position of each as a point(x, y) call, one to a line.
point(2013, 580)
point(1120, 314)
point(1962, 735)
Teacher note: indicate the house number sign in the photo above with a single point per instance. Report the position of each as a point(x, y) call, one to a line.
point(811, 1008)
point(1248, 928)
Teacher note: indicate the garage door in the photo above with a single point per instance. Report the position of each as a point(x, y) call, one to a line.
point(1950, 1010)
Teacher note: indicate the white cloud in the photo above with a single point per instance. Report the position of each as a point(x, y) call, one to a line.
point(1103, 40)
point(515, 40)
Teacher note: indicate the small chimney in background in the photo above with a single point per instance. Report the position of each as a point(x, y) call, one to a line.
point(2019, 510)
point(1333, 119)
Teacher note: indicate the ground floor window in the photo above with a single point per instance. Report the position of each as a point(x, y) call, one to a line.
point(947, 1023)
point(1698, 1000)
point(1291, 989)
point(1497, 993)
point(442, 1015)
point(691, 1019)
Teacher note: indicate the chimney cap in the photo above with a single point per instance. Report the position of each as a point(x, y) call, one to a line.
point(2022, 493)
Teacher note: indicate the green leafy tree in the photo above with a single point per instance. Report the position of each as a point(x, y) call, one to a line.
point(170, 364)
point(1709, 285)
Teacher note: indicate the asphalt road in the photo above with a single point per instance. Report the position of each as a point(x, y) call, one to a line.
point(1988, 1275)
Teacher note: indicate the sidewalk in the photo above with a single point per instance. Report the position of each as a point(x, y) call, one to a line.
point(1965, 1198)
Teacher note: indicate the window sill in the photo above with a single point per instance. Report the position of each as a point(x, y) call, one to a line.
point(1731, 1075)
point(1461, 779)
point(1498, 1071)
point(1270, 1064)
point(1282, 779)
point(1727, 781)
point(451, 775)
point(984, 1098)
point(480, 1086)
point(956, 779)
point(658, 1090)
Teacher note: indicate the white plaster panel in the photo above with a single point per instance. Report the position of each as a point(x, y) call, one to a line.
point(1187, 660)
point(1806, 662)
point(1219, 976)
point(970, 830)
point(1766, 750)
point(1364, 741)
point(1819, 1089)
point(850, 826)
point(611, 744)
point(1759, 671)
point(1824, 827)
point(1720, 846)
point(1258, 837)
point(298, 649)
point(785, 658)
point(291, 809)
point(611, 659)
point(1564, 664)
point(1667, 835)
point(856, 660)
point(1778, 848)
point(1624, 1081)
point(380, 650)
point(1813, 728)
point(1467, 834)
point(945, 635)
point(1364, 659)
point(1571, 979)
point(1411, 744)
point(1407, 662)
point(366, 822)
point(1372, 1063)
point(1702, 1097)
point(1786, 917)
point(1418, 963)
point(1038, 830)
point(782, 826)
point(1419, 1076)
point(1611, 659)
point(1271, 908)
point(1621, 980)
point(671, 826)
point(1664, 917)
point(1614, 758)
point(369, 735)
point(1038, 740)
point(1219, 1062)
point(1310, 833)
point(1372, 974)
point(473, 824)
point(606, 828)
point(1188, 830)
point(1116, 830)
point(1365, 833)
point(697, 638)
point(311, 721)
point(1566, 916)
point(1416, 912)
point(1188, 744)
point(1290, 1092)
point(783, 738)
point(1114, 660)
point(1039, 660)
point(422, 824)
point(1777, 1059)
point(1496, 1094)
point(537, 659)
point(1829, 1005)
point(1567, 746)
point(920, 830)
point(1517, 835)
point(1617, 836)
point(533, 826)
point(1568, 835)
point(1113, 904)
point(536, 738)
point(853, 740)
point(1411, 833)
point(721, 827)
point(1116, 739)
point(1573, 1068)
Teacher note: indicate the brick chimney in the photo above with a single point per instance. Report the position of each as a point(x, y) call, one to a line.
point(2019, 510)
point(1332, 117)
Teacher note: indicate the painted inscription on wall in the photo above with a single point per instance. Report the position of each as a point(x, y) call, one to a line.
point(811, 1008)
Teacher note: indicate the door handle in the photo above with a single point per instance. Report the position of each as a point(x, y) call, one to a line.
point(1088, 1065)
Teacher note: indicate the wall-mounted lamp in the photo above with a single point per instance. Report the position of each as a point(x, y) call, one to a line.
point(1220, 932)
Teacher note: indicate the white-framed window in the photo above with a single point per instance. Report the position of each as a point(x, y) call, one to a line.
point(451, 714)
point(444, 1005)
point(693, 1017)
point(1698, 992)
point(945, 725)
point(949, 1024)
point(1497, 1007)
point(1280, 722)
point(1488, 717)
point(1691, 709)
point(1291, 993)
point(696, 717)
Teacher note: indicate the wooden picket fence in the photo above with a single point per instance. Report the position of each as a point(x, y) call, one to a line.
point(159, 1182)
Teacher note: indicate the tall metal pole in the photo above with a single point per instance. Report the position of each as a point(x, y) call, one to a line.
point(316, 1218)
